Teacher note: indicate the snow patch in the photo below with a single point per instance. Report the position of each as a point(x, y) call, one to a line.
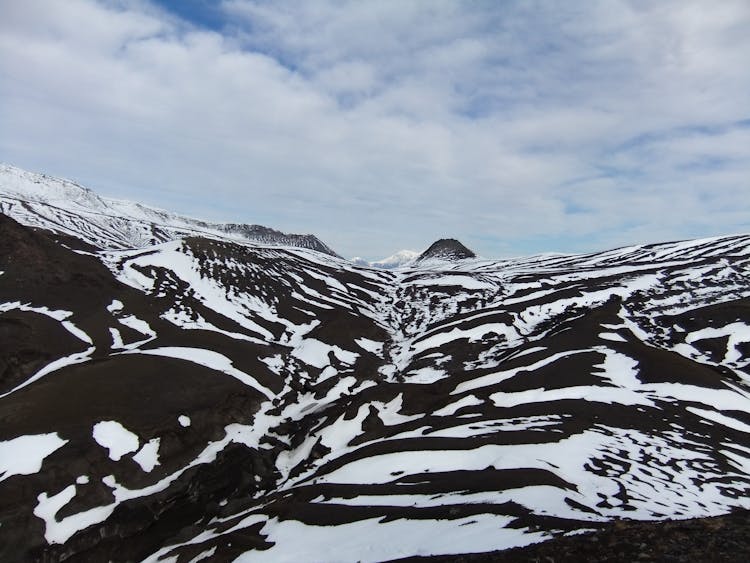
point(274, 363)
point(148, 456)
point(425, 375)
point(613, 336)
point(24, 455)
point(313, 352)
point(369, 345)
point(58, 531)
point(467, 401)
point(116, 438)
point(373, 540)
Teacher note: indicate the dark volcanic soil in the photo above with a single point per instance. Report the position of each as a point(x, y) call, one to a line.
point(719, 539)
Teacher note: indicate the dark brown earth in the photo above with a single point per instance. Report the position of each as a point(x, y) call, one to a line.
point(718, 539)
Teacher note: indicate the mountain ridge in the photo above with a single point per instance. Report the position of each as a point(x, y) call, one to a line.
point(138, 224)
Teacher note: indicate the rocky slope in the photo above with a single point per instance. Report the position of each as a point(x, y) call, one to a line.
point(218, 399)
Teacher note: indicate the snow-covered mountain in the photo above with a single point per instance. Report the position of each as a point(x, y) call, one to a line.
point(397, 260)
point(206, 398)
point(68, 208)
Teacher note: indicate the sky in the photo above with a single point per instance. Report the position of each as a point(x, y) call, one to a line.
point(516, 127)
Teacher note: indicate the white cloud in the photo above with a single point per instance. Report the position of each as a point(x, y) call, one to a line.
point(382, 125)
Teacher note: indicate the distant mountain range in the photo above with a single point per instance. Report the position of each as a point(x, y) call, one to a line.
point(174, 390)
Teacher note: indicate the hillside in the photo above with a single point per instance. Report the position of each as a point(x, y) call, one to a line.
point(201, 396)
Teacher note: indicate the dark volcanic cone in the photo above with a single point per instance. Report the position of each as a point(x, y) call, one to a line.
point(446, 249)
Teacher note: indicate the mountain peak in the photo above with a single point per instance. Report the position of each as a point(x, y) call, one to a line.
point(396, 260)
point(400, 258)
point(446, 249)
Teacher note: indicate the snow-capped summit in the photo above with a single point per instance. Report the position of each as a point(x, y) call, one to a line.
point(445, 249)
point(400, 258)
point(32, 186)
point(396, 260)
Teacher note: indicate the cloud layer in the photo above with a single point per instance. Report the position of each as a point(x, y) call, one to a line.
point(516, 128)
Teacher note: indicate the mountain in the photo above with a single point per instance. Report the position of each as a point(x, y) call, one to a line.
point(397, 260)
point(71, 209)
point(359, 261)
point(212, 398)
point(400, 258)
point(445, 249)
